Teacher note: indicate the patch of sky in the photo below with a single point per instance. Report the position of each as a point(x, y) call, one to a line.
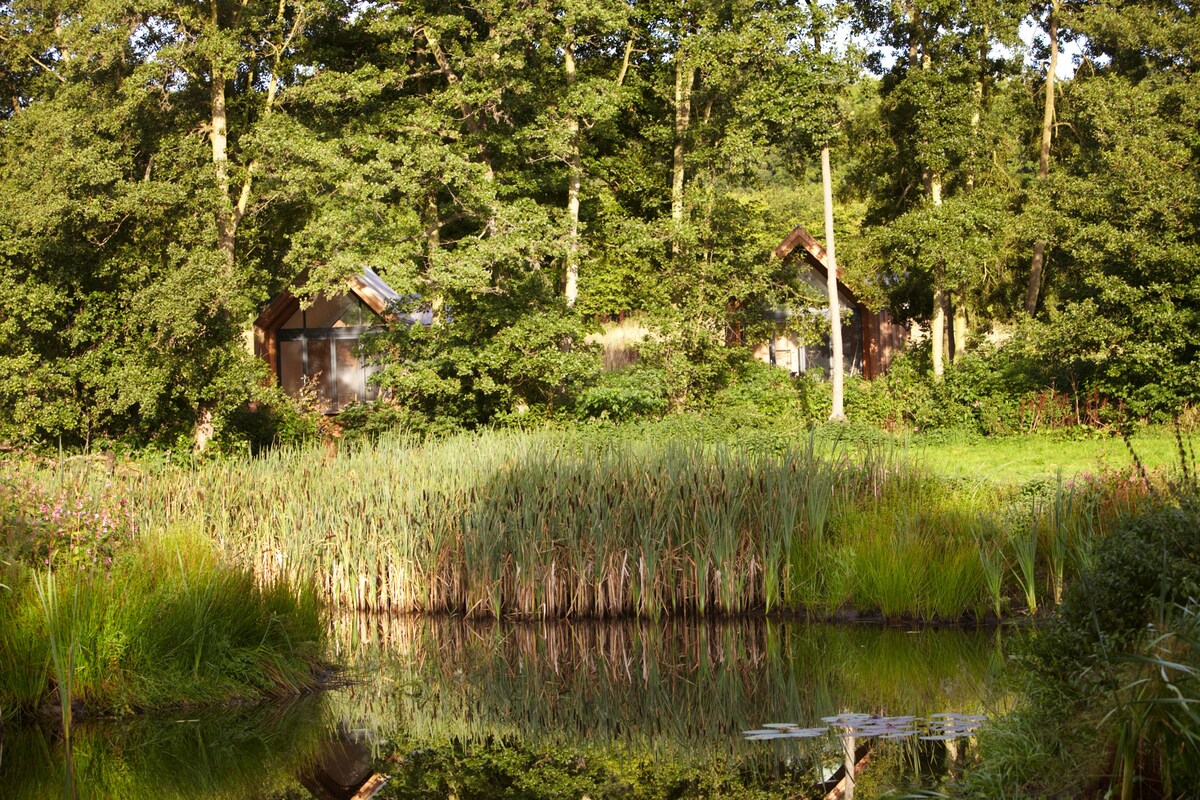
point(1033, 49)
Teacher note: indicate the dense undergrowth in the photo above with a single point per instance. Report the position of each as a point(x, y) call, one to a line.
point(646, 523)
point(1111, 684)
point(162, 623)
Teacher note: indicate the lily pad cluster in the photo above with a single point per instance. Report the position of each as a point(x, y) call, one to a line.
point(935, 728)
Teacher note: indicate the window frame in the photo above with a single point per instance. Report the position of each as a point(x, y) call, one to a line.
point(306, 336)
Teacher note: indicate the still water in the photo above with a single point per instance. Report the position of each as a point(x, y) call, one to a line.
point(443, 708)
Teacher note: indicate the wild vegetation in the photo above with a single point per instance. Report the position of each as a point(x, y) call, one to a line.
point(1110, 685)
point(557, 524)
point(163, 624)
point(532, 171)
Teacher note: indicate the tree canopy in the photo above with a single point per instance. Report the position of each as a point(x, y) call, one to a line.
point(531, 169)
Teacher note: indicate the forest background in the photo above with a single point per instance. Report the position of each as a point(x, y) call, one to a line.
point(533, 169)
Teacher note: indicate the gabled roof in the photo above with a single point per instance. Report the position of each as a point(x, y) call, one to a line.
point(368, 286)
point(813, 253)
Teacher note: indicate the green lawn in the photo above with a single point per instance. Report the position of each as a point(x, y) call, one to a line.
point(1025, 458)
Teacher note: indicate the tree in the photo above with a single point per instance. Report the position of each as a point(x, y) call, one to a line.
point(936, 108)
point(1039, 247)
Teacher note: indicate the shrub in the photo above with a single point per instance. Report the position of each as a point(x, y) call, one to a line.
point(272, 418)
point(625, 394)
point(67, 525)
point(1112, 685)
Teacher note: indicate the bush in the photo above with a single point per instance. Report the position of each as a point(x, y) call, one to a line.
point(625, 394)
point(761, 395)
point(272, 418)
point(1112, 682)
point(368, 421)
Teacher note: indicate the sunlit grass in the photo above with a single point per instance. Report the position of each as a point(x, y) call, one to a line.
point(1022, 459)
point(561, 524)
point(170, 625)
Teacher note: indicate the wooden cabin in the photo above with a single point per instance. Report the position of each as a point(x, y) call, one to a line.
point(318, 345)
point(869, 338)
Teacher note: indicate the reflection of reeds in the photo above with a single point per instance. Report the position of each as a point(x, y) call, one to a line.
point(232, 755)
point(676, 685)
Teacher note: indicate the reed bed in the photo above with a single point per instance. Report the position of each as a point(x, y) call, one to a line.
point(558, 525)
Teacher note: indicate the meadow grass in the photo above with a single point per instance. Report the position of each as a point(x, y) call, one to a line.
point(1015, 460)
point(561, 524)
point(169, 625)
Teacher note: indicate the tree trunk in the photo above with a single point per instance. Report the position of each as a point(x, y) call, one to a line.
point(1039, 247)
point(684, 79)
point(937, 325)
point(836, 365)
point(575, 178)
point(959, 327)
point(433, 245)
point(226, 225)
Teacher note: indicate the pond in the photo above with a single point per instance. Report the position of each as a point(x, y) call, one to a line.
point(439, 707)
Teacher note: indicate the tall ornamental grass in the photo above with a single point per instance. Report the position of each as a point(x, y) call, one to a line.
point(553, 524)
point(168, 625)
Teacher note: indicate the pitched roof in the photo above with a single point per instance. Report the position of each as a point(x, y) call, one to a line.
point(371, 288)
point(813, 253)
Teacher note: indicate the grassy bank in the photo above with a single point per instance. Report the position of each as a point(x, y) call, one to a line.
point(165, 624)
point(574, 525)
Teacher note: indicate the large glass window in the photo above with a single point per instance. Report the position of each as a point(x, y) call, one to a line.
point(317, 346)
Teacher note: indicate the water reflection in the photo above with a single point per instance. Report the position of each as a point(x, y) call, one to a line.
point(245, 753)
point(676, 685)
point(445, 706)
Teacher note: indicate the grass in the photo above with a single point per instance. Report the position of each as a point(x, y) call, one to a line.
point(1020, 460)
point(566, 524)
point(169, 625)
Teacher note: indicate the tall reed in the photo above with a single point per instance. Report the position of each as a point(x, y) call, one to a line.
point(552, 524)
point(171, 625)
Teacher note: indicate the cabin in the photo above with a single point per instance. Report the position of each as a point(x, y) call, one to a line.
point(869, 338)
point(317, 345)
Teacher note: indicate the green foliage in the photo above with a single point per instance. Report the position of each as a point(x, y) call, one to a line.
point(167, 624)
point(622, 395)
point(438, 143)
point(490, 361)
point(1115, 666)
point(271, 419)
